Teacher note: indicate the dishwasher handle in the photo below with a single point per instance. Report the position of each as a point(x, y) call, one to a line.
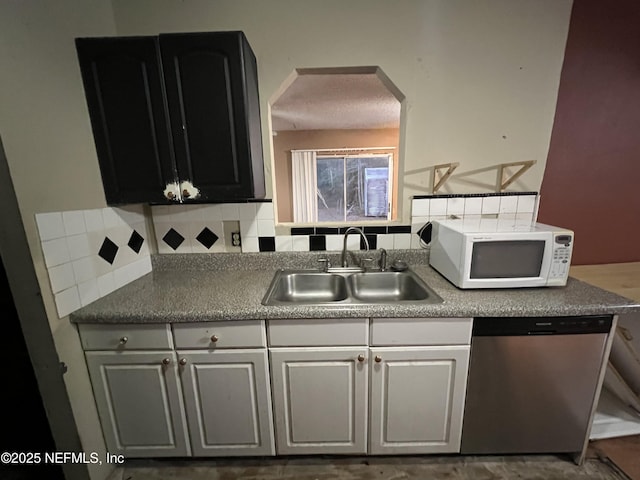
point(523, 326)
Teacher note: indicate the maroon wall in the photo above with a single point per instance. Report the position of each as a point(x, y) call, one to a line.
point(591, 182)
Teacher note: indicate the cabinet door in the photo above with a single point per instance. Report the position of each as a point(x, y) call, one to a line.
point(417, 399)
point(228, 402)
point(211, 88)
point(123, 86)
point(320, 400)
point(139, 403)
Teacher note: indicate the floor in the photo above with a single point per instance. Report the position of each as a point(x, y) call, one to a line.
point(375, 468)
point(611, 459)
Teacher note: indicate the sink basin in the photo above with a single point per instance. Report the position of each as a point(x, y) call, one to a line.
point(311, 287)
point(376, 287)
point(306, 287)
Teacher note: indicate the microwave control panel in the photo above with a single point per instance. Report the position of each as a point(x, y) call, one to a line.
point(561, 256)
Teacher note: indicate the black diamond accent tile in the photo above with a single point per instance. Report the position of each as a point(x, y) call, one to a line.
point(173, 239)
point(135, 241)
point(207, 238)
point(317, 243)
point(267, 244)
point(108, 250)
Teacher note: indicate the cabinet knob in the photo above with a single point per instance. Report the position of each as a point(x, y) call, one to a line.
point(185, 193)
point(378, 359)
point(166, 361)
point(171, 195)
point(361, 358)
point(183, 361)
point(214, 338)
point(123, 340)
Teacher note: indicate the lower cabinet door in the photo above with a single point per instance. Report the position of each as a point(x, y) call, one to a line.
point(417, 399)
point(228, 403)
point(139, 402)
point(320, 399)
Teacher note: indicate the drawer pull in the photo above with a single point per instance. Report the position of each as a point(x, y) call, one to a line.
point(378, 359)
point(214, 338)
point(361, 358)
point(166, 361)
point(183, 361)
point(123, 340)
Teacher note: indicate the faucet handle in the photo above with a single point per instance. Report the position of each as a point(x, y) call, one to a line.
point(326, 262)
point(365, 261)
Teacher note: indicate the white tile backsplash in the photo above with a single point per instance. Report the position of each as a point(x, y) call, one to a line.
point(78, 246)
point(246, 211)
point(526, 204)
point(490, 205)
point(473, 206)
point(61, 277)
point(265, 211)
point(230, 211)
point(71, 242)
point(74, 222)
point(56, 252)
point(50, 225)
point(266, 228)
point(88, 291)
point(300, 243)
point(509, 204)
point(284, 243)
point(437, 206)
point(455, 206)
point(420, 207)
point(67, 301)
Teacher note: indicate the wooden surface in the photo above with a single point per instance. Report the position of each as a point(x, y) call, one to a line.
point(620, 278)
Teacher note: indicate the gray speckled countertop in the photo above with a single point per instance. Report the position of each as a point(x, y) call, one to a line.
point(194, 288)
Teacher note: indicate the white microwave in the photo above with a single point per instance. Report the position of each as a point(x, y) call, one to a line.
point(492, 253)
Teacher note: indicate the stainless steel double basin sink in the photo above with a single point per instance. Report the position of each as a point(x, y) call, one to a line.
point(312, 287)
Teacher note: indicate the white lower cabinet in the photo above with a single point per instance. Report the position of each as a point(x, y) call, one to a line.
point(139, 402)
point(338, 386)
point(417, 399)
point(399, 389)
point(227, 400)
point(151, 403)
point(320, 399)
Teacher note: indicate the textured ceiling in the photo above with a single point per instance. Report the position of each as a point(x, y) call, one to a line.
point(335, 101)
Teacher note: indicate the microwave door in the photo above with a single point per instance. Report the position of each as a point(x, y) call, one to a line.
point(496, 263)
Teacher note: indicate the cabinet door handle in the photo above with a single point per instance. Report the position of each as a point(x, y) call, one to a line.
point(361, 358)
point(171, 195)
point(185, 193)
point(166, 361)
point(183, 361)
point(123, 340)
point(378, 359)
point(214, 338)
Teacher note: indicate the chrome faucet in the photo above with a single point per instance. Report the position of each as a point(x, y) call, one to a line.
point(343, 258)
point(383, 260)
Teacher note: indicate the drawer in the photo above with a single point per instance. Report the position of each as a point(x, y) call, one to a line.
point(318, 332)
point(97, 336)
point(233, 334)
point(420, 331)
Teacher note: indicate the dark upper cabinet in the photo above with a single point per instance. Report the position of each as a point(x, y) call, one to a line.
point(176, 118)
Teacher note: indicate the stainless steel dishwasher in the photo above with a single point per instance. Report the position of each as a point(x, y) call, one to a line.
point(532, 383)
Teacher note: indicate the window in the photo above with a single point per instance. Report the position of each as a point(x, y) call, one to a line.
point(342, 186)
